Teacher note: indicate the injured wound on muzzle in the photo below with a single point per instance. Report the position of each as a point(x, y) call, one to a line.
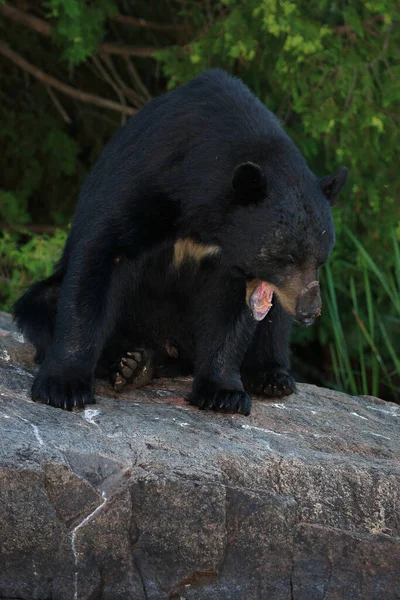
point(259, 298)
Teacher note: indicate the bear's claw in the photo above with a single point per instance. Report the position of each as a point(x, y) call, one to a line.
point(275, 384)
point(62, 392)
point(208, 396)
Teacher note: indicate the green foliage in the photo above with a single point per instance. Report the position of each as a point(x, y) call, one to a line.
point(333, 86)
point(13, 209)
point(24, 259)
point(377, 360)
point(79, 26)
point(44, 162)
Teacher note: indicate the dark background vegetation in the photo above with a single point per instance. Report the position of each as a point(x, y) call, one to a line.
point(73, 71)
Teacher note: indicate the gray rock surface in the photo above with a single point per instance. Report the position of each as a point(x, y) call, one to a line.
point(142, 497)
point(7, 327)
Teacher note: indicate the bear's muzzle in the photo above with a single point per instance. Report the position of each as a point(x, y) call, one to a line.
point(308, 304)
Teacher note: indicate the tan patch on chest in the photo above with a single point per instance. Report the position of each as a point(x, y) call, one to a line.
point(188, 249)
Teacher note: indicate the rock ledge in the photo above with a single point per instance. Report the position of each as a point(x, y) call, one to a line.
point(142, 497)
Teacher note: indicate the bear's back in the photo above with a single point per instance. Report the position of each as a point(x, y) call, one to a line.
point(192, 137)
point(214, 106)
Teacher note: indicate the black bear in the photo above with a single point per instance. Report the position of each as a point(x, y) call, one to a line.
point(196, 241)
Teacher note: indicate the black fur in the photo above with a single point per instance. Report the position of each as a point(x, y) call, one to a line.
point(180, 169)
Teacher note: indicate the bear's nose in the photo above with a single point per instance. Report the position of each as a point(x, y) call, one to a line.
point(308, 305)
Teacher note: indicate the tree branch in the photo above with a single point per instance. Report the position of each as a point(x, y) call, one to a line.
point(127, 50)
point(23, 18)
point(48, 229)
point(135, 98)
point(136, 79)
point(346, 30)
point(137, 22)
point(48, 80)
point(58, 105)
point(112, 83)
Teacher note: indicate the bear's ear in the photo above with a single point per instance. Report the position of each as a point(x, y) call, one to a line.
point(248, 183)
point(332, 184)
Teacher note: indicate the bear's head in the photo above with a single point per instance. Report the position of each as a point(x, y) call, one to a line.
point(280, 231)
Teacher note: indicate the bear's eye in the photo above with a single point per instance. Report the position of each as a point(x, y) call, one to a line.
point(285, 260)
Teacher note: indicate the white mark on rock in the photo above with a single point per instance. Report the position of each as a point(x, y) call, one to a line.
point(73, 541)
point(183, 424)
point(5, 416)
point(261, 429)
point(21, 371)
point(35, 430)
point(37, 434)
point(268, 447)
point(359, 416)
point(89, 414)
point(4, 355)
point(377, 435)
point(279, 405)
point(34, 568)
point(392, 412)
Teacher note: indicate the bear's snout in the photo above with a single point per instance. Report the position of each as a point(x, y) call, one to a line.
point(308, 304)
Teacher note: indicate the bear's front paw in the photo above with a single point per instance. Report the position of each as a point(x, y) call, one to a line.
point(275, 383)
point(63, 392)
point(209, 395)
point(278, 384)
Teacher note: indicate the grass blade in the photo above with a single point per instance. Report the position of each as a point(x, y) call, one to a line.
point(393, 294)
point(341, 346)
point(396, 248)
point(360, 344)
point(371, 323)
point(372, 345)
point(390, 348)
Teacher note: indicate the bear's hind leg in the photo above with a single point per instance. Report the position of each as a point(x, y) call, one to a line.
point(138, 367)
point(133, 369)
point(35, 313)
